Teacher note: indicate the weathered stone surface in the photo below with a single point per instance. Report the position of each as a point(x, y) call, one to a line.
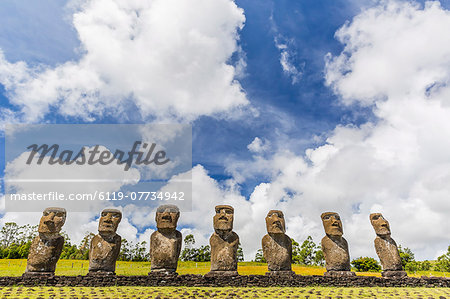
point(224, 243)
point(165, 243)
point(386, 247)
point(394, 274)
point(281, 273)
point(46, 247)
point(191, 280)
point(334, 246)
point(276, 245)
point(105, 246)
point(333, 273)
point(221, 273)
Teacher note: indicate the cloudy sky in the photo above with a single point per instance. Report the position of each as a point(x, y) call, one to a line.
point(303, 106)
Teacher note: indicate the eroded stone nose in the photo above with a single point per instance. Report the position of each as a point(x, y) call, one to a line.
point(166, 216)
point(108, 218)
point(49, 218)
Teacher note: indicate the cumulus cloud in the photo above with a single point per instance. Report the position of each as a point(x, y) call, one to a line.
point(168, 58)
point(65, 179)
point(395, 50)
point(258, 145)
point(396, 59)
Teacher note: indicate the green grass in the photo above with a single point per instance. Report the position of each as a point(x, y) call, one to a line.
point(206, 292)
point(80, 267)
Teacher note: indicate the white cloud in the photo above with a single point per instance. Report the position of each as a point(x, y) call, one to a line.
point(393, 50)
point(258, 145)
point(286, 59)
point(169, 58)
point(397, 60)
point(40, 179)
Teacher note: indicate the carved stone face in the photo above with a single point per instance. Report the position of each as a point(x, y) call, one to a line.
point(275, 222)
point(52, 220)
point(332, 224)
point(380, 224)
point(167, 217)
point(109, 220)
point(223, 220)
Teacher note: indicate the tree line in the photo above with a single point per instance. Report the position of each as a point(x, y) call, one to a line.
point(307, 254)
point(15, 242)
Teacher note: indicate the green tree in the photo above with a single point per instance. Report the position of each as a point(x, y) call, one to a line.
point(203, 254)
point(24, 249)
point(425, 266)
point(295, 252)
point(366, 264)
point(189, 241)
point(309, 253)
point(29, 232)
point(82, 252)
point(188, 253)
point(69, 250)
point(259, 257)
point(139, 252)
point(125, 251)
point(319, 259)
point(406, 255)
point(240, 253)
point(10, 234)
point(415, 266)
point(443, 262)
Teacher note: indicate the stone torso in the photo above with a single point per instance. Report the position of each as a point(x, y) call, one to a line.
point(224, 252)
point(165, 250)
point(44, 254)
point(387, 251)
point(104, 253)
point(277, 250)
point(335, 250)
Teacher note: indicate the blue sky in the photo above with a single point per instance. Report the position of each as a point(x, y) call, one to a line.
point(290, 65)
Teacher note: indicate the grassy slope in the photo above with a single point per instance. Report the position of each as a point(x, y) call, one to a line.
point(78, 267)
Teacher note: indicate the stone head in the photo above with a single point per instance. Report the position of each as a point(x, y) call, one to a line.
point(380, 224)
point(275, 222)
point(109, 220)
point(223, 220)
point(332, 224)
point(52, 220)
point(167, 217)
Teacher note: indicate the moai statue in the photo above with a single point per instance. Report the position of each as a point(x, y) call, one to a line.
point(165, 243)
point(105, 247)
point(46, 247)
point(335, 247)
point(276, 245)
point(224, 243)
point(386, 247)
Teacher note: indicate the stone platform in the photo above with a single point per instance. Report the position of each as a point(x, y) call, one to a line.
point(192, 280)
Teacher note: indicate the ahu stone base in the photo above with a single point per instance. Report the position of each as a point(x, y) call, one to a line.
point(221, 273)
point(394, 274)
point(191, 280)
point(339, 274)
point(280, 273)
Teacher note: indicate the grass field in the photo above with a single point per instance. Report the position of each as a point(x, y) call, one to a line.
point(197, 292)
point(79, 267)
